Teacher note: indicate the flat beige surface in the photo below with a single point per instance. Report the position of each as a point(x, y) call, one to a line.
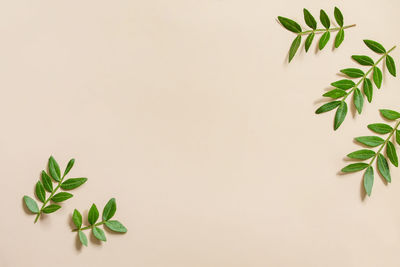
point(188, 114)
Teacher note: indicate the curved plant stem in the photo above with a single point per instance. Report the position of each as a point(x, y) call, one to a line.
point(89, 227)
point(326, 30)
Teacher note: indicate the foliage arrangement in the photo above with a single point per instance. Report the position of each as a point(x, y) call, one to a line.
point(93, 215)
point(378, 156)
point(46, 184)
point(294, 27)
point(346, 87)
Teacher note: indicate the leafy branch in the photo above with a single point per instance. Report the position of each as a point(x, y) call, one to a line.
point(293, 26)
point(342, 86)
point(376, 141)
point(46, 184)
point(93, 215)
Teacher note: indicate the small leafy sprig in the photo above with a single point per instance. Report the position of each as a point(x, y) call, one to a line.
point(342, 87)
point(46, 184)
point(376, 141)
point(293, 26)
point(108, 212)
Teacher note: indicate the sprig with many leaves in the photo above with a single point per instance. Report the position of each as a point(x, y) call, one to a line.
point(346, 87)
point(378, 156)
point(46, 184)
point(293, 26)
point(93, 215)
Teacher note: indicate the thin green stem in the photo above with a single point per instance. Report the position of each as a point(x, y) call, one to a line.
point(89, 227)
point(326, 30)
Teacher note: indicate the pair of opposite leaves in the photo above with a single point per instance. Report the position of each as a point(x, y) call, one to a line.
point(46, 184)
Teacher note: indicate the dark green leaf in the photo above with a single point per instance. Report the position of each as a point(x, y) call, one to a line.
point(294, 47)
point(340, 115)
point(383, 167)
point(99, 234)
point(289, 24)
point(73, 183)
point(109, 209)
point(47, 183)
point(380, 128)
point(31, 204)
point(358, 100)
point(77, 219)
point(368, 89)
point(343, 84)
point(309, 41)
point(328, 107)
point(69, 166)
point(54, 169)
point(377, 76)
point(362, 154)
point(398, 137)
point(93, 214)
point(353, 72)
point(51, 208)
point(371, 141)
point(338, 17)
point(363, 60)
point(323, 17)
point(369, 180)
point(335, 93)
point(390, 114)
point(60, 197)
point(355, 167)
point(116, 226)
point(375, 46)
point(339, 38)
point(83, 238)
point(391, 66)
point(324, 40)
point(309, 19)
point(40, 193)
point(392, 154)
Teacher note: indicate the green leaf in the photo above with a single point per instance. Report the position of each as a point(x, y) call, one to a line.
point(355, 167)
point(335, 93)
point(51, 208)
point(40, 193)
point(353, 72)
point(77, 218)
point(383, 167)
point(369, 180)
point(375, 46)
point(398, 137)
point(109, 209)
point(363, 60)
point(309, 19)
point(339, 38)
point(98, 233)
point(289, 24)
point(358, 100)
point(323, 17)
point(362, 154)
point(340, 115)
point(377, 76)
point(391, 66)
point(116, 226)
point(324, 40)
point(47, 183)
point(343, 84)
point(69, 166)
point(328, 107)
point(31, 204)
point(368, 89)
point(93, 214)
point(309, 41)
point(380, 128)
point(390, 114)
point(392, 154)
point(338, 17)
point(83, 238)
point(371, 141)
point(73, 183)
point(54, 169)
point(60, 197)
point(294, 47)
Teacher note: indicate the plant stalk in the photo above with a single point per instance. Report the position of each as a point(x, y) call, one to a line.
point(89, 227)
point(326, 30)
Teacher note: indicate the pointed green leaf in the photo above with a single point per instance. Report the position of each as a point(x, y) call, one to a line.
point(390, 114)
point(358, 100)
point(392, 154)
point(339, 38)
point(338, 17)
point(98, 233)
point(73, 183)
point(377, 76)
point(77, 218)
point(51, 208)
point(309, 19)
point(31, 204)
point(289, 24)
point(353, 72)
point(116, 226)
point(380, 128)
point(371, 141)
point(362, 154)
point(294, 47)
point(398, 137)
point(47, 183)
point(375, 46)
point(343, 84)
point(363, 60)
point(54, 169)
point(309, 41)
point(340, 115)
point(368, 89)
point(109, 209)
point(324, 40)
point(355, 167)
point(383, 167)
point(391, 66)
point(335, 93)
point(93, 214)
point(40, 193)
point(328, 107)
point(62, 196)
point(83, 238)
point(69, 166)
point(323, 17)
point(369, 180)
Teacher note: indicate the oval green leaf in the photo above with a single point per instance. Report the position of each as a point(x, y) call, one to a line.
point(289, 24)
point(69, 166)
point(391, 66)
point(62, 196)
point(99, 234)
point(77, 218)
point(328, 107)
point(338, 16)
point(390, 114)
point(109, 209)
point(309, 19)
point(362, 154)
point(340, 115)
point(324, 40)
point(368, 89)
point(54, 169)
point(392, 154)
point(363, 60)
point(73, 183)
point(83, 238)
point(377, 77)
point(371, 141)
point(355, 167)
point(31, 204)
point(343, 84)
point(369, 180)
point(309, 41)
point(294, 47)
point(398, 137)
point(40, 193)
point(358, 100)
point(339, 38)
point(323, 17)
point(353, 72)
point(375, 46)
point(383, 167)
point(93, 214)
point(51, 208)
point(335, 93)
point(116, 226)
point(380, 128)
point(47, 183)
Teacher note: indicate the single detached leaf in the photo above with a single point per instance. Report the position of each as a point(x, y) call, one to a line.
point(60, 197)
point(69, 166)
point(51, 208)
point(328, 107)
point(362, 154)
point(335, 93)
point(371, 141)
point(338, 17)
point(294, 47)
point(375, 46)
point(324, 40)
point(355, 167)
point(309, 19)
point(47, 183)
point(363, 60)
point(343, 84)
point(383, 167)
point(380, 128)
point(377, 76)
point(289, 24)
point(391, 66)
point(398, 137)
point(323, 17)
point(340, 115)
point(392, 154)
point(358, 100)
point(353, 72)
point(98, 233)
point(93, 214)
point(368, 89)
point(31, 204)
point(40, 193)
point(83, 238)
point(73, 183)
point(390, 114)
point(77, 218)
point(309, 41)
point(116, 226)
point(339, 38)
point(369, 180)
point(54, 169)
point(109, 209)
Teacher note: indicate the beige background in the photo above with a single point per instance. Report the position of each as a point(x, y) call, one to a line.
point(188, 114)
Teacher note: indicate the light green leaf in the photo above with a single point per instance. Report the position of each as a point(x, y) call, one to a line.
point(368, 89)
point(353, 72)
point(339, 38)
point(380, 128)
point(324, 40)
point(377, 76)
point(47, 183)
point(392, 154)
point(116, 226)
point(362, 154)
point(390, 114)
point(54, 169)
point(328, 107)
point(323, 17)
point(294, 47)
point(355, 167)
point(335, 93)
point(391, 66)
point(383, 167)
point(289, 24)
point(31, 204)
point(375, 46)
point(40, 193)
point(363, 60)
point(51, 208)
point(369, 180)
point(99, 234)
point(73, 183)
point(109, 209)
point(343, 84)
point(83, 238)
point(62, 196)
point(338, 17)
point(371, 141)
point(69, 166)
point(93, 214)
point(309, 19)
point(340, 115)
point(358, 100)
point(77, 218)
point(309, 41)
